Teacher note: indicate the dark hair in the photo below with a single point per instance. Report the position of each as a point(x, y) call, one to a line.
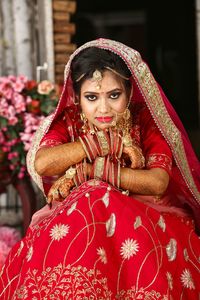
point(93, 58)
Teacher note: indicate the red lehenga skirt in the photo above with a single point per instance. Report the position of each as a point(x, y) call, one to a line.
point(101, 244)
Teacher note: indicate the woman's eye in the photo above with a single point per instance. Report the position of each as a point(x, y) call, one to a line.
point(91, 97)
point(115, 95)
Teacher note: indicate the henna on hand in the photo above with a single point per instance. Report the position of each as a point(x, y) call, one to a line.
point(136, 157)
point(60, 189)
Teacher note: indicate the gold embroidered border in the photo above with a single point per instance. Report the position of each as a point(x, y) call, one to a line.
point(30, 159)
point(159, 159)
point(165, 124)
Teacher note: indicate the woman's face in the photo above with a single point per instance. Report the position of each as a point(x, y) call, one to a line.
point(104, 102)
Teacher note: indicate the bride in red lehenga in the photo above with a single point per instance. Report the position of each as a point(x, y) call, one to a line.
point(122, 186)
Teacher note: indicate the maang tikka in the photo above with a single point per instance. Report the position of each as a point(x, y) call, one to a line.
point(97, 77)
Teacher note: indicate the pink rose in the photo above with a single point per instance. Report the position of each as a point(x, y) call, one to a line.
point(45, 87)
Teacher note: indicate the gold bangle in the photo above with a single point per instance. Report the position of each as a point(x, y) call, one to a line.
point(127, 140)
point(85, 149)
point(103, 142)
point(99, 167)
point(70, 173)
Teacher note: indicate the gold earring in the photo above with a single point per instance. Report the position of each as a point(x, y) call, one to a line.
point(127, 114)
point(127, 121)
point(85, 122)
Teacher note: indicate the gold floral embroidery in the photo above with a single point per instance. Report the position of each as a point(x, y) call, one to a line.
point(29, 254)
point(161, 223)
point(159, 160)
point(170, 280)
point(71, 278)
point(142, 293)
point(185, 253)
point(70, 282)
point(129, 248)
point(110, 225)
point(102, 254)
point(20, 248)
point(49, 143)
point(105, 199)
point(138, 222)
point(22, 292)
point(186, 279)
point(171, 249)
point(59, 231)
point(72, 208)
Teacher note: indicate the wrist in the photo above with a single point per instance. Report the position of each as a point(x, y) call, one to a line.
point(88, 169)
point(95, 144)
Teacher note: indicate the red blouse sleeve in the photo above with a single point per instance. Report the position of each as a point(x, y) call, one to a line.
point(155, 148)
point(58, 134)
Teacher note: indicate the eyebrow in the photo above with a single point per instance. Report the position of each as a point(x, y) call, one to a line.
point(109, 92)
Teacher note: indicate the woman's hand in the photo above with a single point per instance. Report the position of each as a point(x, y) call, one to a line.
point(62, 186)
point(135, 155)
point(116, 144)
point(60, 189)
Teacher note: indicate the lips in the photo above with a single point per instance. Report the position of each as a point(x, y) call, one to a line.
point(104, 119)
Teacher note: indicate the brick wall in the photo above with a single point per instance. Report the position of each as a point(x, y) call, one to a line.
point(63, 29)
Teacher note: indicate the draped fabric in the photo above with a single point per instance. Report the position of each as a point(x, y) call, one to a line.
point(100, 243)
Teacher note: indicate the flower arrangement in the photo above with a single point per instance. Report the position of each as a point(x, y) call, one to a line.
point(8, 238)
point(23, 105)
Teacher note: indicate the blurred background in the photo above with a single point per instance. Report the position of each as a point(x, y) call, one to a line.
point(38, 36)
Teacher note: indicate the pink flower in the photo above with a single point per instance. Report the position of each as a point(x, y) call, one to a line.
point(3, 104)
point(6, 89)
point(13, 120)
point(21, 115)
point(19, 103)
point(45, 87)
point(12, 142)
point(11, 78)
point(5, 149)
point(2, 138)
point(18, 86)
point(9, 235)
point(28, 99)
point(20, 175)
point(8, 238)
point(12, 155)
point(4, 250)
point(22, 78)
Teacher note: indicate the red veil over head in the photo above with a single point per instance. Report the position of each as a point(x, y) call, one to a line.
point(185, 181)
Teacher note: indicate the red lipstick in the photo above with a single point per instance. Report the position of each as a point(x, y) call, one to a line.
point(104, 119)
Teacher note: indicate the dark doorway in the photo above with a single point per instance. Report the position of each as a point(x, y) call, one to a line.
point(164, 32)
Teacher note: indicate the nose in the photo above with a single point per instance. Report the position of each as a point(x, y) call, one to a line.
point(103, 105)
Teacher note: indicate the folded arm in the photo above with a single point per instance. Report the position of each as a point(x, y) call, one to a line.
point(56, 160)
point(147, 182)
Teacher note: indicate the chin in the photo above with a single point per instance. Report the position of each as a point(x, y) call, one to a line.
point(103, 126)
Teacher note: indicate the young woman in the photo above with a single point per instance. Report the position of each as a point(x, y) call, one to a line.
point(122, 187)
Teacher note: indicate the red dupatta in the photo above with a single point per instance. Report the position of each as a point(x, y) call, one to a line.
point(185, 182)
